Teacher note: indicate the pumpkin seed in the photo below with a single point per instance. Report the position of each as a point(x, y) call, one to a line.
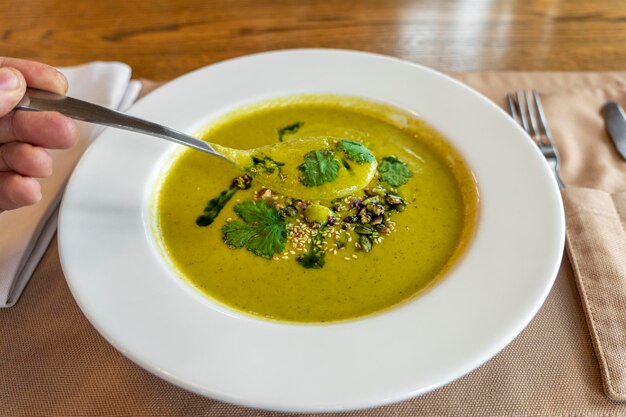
point(365, 243)
point(376, 208)
point(393, 199)
point(376, 220)
point(291, 211)
point(363, 229)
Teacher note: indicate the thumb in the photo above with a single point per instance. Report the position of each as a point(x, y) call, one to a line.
point(12, 88)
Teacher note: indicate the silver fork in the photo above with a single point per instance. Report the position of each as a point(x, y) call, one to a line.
point(526, 109)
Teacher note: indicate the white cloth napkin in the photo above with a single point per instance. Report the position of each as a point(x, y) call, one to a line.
point(25, 233)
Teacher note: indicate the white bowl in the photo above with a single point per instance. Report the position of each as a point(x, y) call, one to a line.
point(150, 315)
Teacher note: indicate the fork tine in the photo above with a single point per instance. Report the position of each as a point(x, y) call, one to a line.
point(544, 130)
point(520, 100)
point(533, 130)
point(513, 108)
point(529, 114)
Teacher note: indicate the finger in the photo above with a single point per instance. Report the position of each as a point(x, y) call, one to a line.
point(17, 191)
point(25, 159)
point(12, 88)
point(48, 129)
point(38, 75)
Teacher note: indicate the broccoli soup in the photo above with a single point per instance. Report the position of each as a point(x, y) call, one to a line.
point(265, 253)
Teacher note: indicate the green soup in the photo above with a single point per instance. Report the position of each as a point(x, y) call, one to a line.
point(370, 255)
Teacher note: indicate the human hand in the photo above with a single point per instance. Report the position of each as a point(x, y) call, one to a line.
point(26, 136)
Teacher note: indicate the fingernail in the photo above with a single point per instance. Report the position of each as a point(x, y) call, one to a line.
point(64, 79)
point(8, 80)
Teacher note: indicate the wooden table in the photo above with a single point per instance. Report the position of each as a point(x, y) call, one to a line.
point(164, 39)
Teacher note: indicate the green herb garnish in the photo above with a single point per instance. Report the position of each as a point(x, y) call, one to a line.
point(356, 151)
point(264, 232)
point(315, 258)
point(319, 167)
point(393, 171)
point(215, 205)
point(287, 130)
point(263, 164)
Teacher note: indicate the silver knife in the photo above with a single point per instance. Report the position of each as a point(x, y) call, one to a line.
point(615, 121)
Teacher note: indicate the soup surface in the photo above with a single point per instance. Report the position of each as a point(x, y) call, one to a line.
point(285, 172)
point(275, 257)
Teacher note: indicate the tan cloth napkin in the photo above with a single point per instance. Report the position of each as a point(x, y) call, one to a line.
point(596, 246)
point(53, 363)
point(26, 233)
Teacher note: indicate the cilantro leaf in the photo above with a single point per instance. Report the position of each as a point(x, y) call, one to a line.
point(292, 128)
point(268, 243)
point(319, 167)
point(258, 212)
point(393, 171)
point(237, 234)
point(264, 231)
point(356, 151)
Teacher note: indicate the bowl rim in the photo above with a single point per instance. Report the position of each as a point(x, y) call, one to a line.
point(74, 216)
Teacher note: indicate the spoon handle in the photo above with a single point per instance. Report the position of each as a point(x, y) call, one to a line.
point(39, 100)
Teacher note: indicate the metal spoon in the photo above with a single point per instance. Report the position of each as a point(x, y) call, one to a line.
point(283, 178)
point(39, 100)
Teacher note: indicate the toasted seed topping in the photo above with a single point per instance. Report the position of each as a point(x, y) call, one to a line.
point(364, 230)
point(365, 243)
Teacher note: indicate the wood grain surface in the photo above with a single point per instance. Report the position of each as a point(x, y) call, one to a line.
point(163, 39)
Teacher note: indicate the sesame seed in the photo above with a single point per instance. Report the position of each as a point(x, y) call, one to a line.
point(354, 255)
point(347, 258)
